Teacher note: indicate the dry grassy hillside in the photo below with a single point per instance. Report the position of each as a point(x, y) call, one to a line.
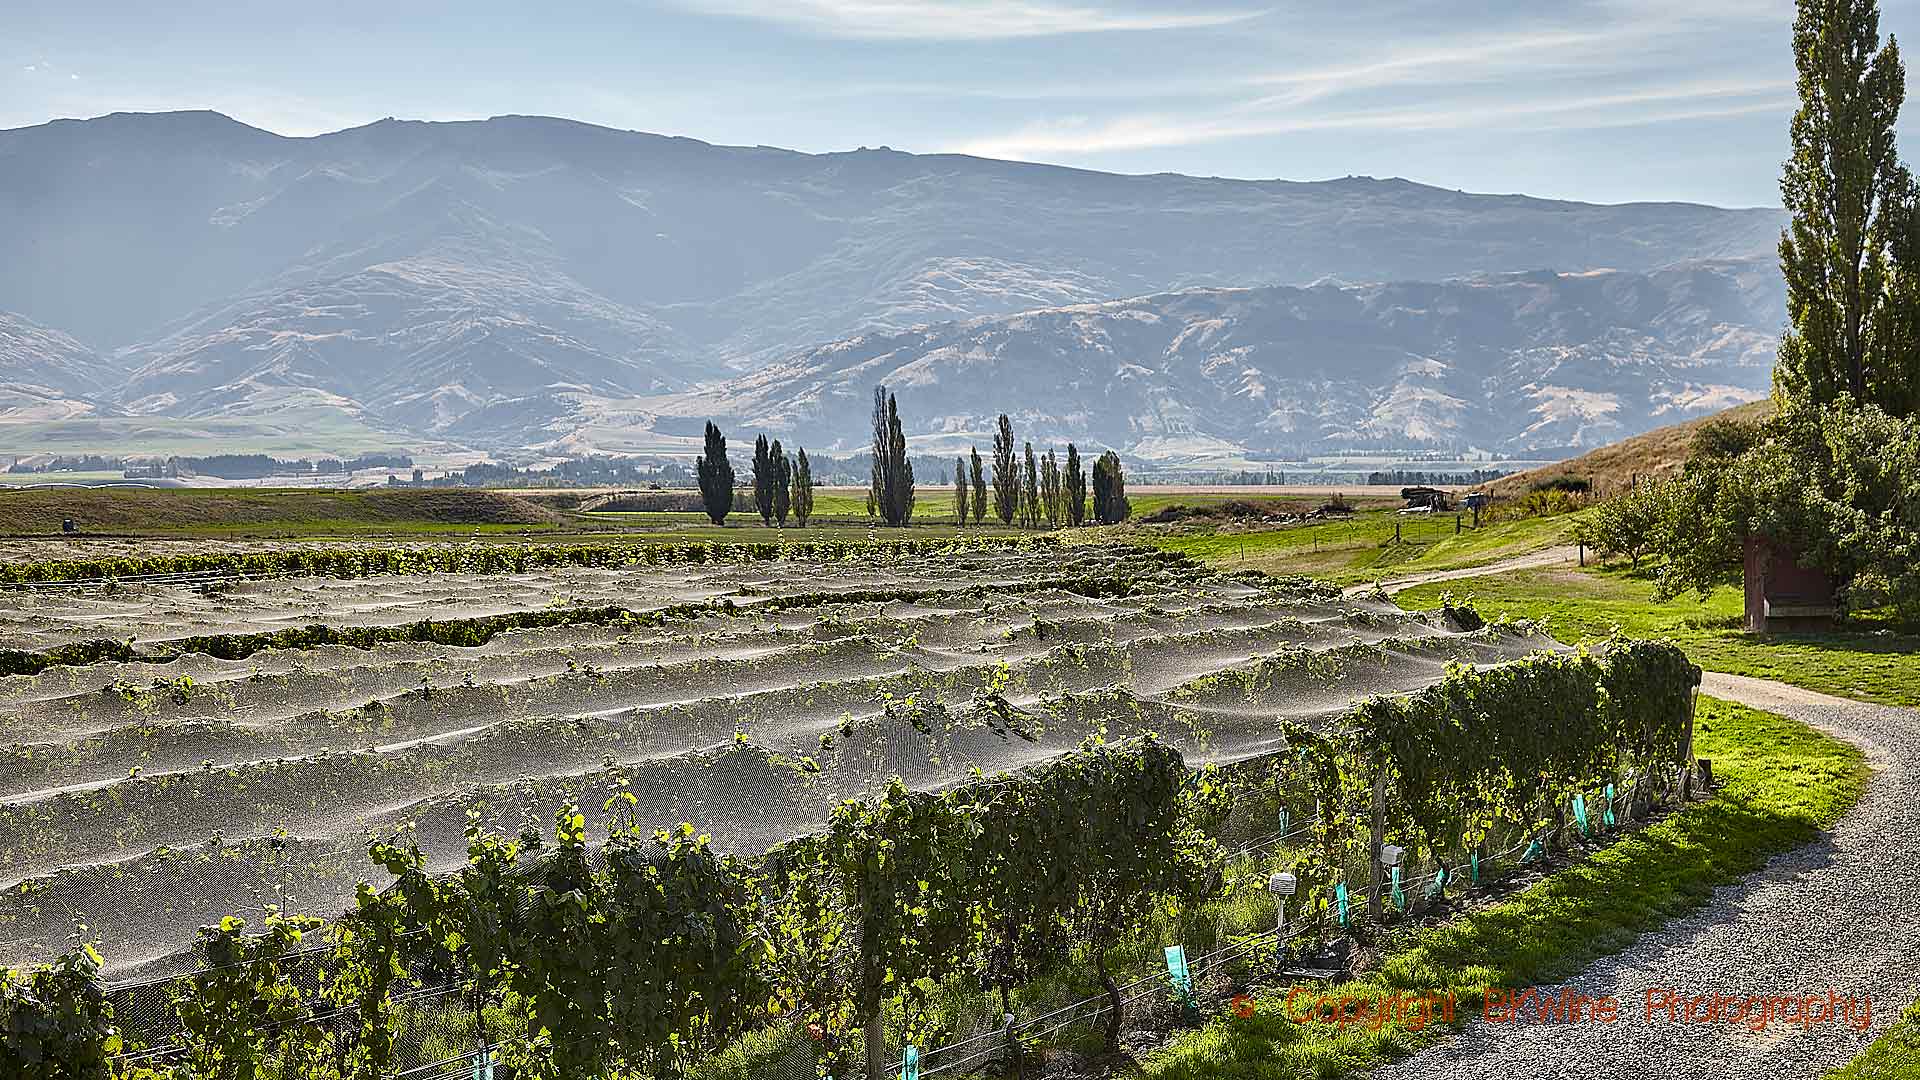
point(1612, 468)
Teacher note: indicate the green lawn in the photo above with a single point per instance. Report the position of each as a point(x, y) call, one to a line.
point(1782, 783)
point(1586, 605)
point(1364, 548)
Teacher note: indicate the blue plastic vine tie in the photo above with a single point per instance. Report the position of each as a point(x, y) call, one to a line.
point(1340, 898)
point(1580, 811)
point(1399, 898)
point(910, 1063)
point(1609, 817)
point(1177, 970)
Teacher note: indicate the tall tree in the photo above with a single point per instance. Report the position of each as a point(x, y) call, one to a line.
point(1074, 488)
point(763, 477)
point(802, 497)
point(716, 476)
point(1110, 505)
point(1030, 492)
point(892, 488)
point(960, 490)
point(782, 484)
point(979, 485)
point(1843, 253)
point(1006, 473)
point(877, 492)
point(1050, 500)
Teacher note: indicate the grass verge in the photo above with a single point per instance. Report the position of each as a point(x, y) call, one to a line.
point(1895, 1055)
point(1782, 782)
point(1586, 605)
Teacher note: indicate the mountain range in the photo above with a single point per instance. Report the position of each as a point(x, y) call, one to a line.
point(526, 283)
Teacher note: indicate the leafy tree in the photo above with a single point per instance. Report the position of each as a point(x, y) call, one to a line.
point(892, 487)
point(979, 486)
point(763, 478)
point(1629, 525)
point(1110, 505)
point(802, 497)
point(1074, 488)
point(716, 476)
point(781, 487)
point(1006, 473)
point(1846, 252)
point(1030, 493)
point(960, 490)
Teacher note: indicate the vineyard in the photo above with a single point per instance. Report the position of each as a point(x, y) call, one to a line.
point(932, 784)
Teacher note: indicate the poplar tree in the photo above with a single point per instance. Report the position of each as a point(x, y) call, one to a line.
point(1006, 473)
point(1050, 488)
point(1074, 488)
point(1851, 254)
point(979, 486)
point(1030, 491)
point(782, 484)
point(1110, 505)
point(716, 476)
point(960, 490)
point(892, 487)
point(802, 497)
point(763, 479)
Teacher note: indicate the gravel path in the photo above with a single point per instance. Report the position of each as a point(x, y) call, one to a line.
point(1841, 914)
point(1553, 556)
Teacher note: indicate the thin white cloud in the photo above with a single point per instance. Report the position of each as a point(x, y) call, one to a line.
point(961, 20)
point(1079, 136)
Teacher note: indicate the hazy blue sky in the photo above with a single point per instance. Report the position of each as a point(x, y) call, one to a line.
point(1608, 100)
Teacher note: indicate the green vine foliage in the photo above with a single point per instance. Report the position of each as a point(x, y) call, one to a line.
point(1511, 742)
point(644, 953)
point(240, 1015)
point(358, 562)
point(56, 1022)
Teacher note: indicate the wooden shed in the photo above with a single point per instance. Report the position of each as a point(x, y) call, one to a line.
point(1782, 595)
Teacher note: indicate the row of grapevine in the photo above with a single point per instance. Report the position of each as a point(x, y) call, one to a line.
point(644, 953)
point(477, 631)
point(358, 562)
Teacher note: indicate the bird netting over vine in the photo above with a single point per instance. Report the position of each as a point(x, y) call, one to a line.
point(262, 731)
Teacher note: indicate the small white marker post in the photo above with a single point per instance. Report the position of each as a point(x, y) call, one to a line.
point(1282, 885)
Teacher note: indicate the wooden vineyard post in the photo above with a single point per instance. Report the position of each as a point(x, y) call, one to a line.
point(1686, 756)
point(1378, 838)
point(876, 1040)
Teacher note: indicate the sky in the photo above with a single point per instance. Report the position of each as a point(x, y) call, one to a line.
point(1599, 100)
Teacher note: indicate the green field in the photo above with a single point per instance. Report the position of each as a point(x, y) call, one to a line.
point(1366, 546)
point(1587, 605)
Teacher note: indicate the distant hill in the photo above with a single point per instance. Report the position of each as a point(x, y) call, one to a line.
point(476, 281)
point(44, 374)
point(1614, 467)
point(1507, 362)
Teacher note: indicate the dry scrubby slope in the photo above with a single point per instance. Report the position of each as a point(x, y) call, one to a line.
point(41, 510)
point(478, 279)
point(1612, 467)
point(257, 780)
